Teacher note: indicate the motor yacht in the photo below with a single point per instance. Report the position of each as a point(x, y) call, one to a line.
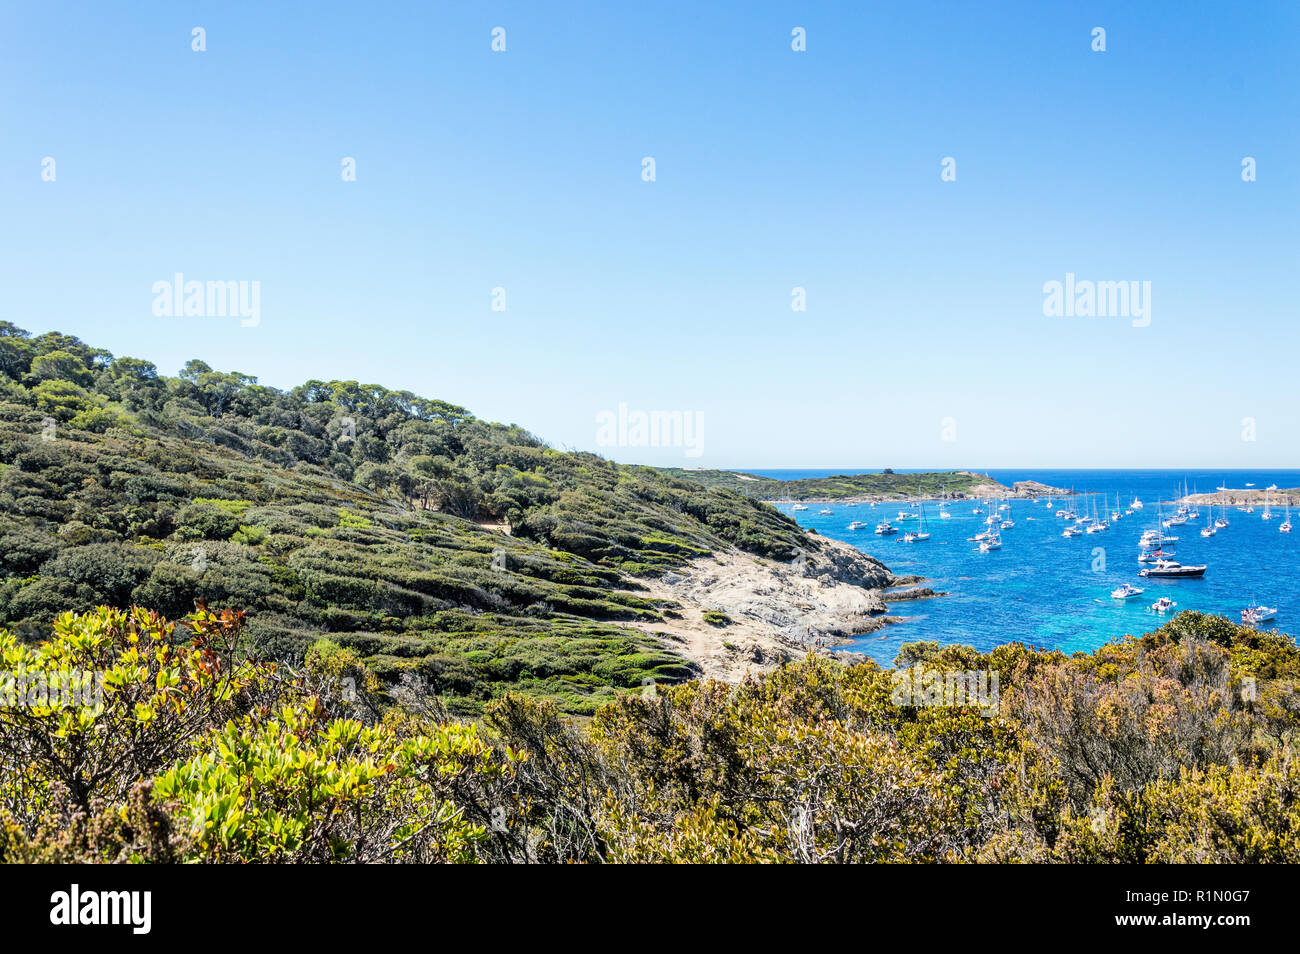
point(1126, 591)
point(1254, 615)
point(1172, 570)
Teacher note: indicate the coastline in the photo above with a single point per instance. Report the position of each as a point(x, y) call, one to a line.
point(1020, 490)
point(1250, 496)
point(777, 612)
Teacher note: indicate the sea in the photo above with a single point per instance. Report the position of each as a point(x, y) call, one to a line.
point(1045, 590)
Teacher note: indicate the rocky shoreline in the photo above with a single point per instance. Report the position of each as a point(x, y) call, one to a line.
point(734, 613)
point(1245, 496)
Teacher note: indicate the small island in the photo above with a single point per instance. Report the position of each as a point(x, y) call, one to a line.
point(1244, 497)
point(864, 488)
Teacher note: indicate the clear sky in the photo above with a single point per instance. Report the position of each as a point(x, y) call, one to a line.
point(820, 169)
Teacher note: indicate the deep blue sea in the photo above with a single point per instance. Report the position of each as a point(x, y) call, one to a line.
point(1041, 588)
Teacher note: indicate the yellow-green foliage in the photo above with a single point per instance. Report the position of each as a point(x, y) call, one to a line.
point(1150, 750)
point(295, 788)
point(236, 508)
point(349, 519)
point(156, 689)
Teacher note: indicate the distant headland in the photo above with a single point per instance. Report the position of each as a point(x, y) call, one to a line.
point(854, 488)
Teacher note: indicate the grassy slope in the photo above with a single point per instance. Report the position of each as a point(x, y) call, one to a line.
point(160, 491)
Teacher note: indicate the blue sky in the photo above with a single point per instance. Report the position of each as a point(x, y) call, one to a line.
point(775, 169)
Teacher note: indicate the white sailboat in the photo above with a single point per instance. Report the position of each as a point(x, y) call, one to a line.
point(921, 534)
point(1286, 524)
point(1223, 515)
point(1180, 515)
point(1099, 522)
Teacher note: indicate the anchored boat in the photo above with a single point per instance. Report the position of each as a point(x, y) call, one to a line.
point(921, 533)
point(1254, 615)
point(1171, 570)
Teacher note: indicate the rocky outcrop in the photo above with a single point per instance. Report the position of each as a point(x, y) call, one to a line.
point(842, 562)
point(1027, 489)
point(915, 593)
point(1246, 497)
point(778, 611)
point(1032, 488)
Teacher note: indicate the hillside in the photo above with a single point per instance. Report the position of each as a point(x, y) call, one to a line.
point(465, 555)
point(390, 548)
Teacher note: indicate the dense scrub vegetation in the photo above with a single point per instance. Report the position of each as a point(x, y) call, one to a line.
point(400, 680)
point(840, 487)
point(345, 510)
point(1174, 747)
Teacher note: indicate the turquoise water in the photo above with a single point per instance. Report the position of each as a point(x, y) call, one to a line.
point(1045, 590)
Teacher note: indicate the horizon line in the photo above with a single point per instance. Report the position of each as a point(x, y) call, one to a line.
point(981, 470)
